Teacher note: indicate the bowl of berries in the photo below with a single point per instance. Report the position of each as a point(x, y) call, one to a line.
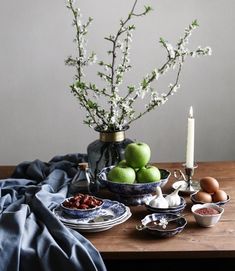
point(81, 205)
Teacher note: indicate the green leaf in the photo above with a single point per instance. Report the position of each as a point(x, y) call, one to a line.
point(148, 9)
point(91, 104)
point(195, 23)
point(131, 89)
point(144, 83)
point(161, 40)
point(80, 85)
point(131, 27)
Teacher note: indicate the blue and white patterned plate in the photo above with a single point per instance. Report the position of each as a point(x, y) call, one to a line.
point(100, 227)
point(109, 213)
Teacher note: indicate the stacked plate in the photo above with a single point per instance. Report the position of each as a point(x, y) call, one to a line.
point(109, 215)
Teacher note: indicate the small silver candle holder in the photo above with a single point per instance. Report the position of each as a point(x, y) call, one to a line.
point(189, 173)
point(186, 181)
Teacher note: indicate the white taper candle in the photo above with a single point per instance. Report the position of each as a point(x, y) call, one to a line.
point(190, 140)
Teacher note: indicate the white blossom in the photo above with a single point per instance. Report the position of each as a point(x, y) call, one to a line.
point(93, 59)
point(208, 50)
point(118, 108)
point(170, 50)
point(163, 222)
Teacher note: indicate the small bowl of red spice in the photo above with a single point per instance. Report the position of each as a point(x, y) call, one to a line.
point(208, 214)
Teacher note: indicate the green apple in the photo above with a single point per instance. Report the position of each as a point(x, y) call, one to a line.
point(137, 154)
point(122, 174)
point(148, 174)
point(122, 163)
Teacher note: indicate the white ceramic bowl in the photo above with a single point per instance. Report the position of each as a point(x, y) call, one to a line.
point(207, 220)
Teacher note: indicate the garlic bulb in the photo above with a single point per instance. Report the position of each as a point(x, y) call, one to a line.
point(173, 199)
point(158, 201)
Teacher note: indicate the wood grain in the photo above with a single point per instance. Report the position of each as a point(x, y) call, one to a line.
point(124, 242)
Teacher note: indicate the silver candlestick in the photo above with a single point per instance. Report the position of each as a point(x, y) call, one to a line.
point(188, 185)
point(190, 172)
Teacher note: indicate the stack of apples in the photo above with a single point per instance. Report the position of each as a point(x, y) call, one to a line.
point(135, 167)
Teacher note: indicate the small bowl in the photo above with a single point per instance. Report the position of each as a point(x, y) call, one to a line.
point(219, 203)
point(207, 220)
point(132, 194)
point(81, 213)
point(174, 210)
point(174, 227)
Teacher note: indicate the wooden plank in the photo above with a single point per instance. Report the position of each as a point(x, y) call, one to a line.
point(6, 171)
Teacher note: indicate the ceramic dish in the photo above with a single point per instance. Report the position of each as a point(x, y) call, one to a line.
point(100, 227)
point(132, 194)
point(81, 213)
point(207, 220)
point(174, 210)
point(219, 203)
point(103, 221)
point(109, 213)
point(153, 224)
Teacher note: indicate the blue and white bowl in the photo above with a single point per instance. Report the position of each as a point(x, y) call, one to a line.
point(132, 194)
point(80, 213)
point(171, 230)
point(174, 210)
point(219, 203)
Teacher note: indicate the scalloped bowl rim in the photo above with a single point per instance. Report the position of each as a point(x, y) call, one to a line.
point(207, 220)
point(81, 210)
point(180, 206)
point(181, 227)
point(135, 183)
point(207, 205)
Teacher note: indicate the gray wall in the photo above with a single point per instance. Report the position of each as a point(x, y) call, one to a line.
point(40, 118)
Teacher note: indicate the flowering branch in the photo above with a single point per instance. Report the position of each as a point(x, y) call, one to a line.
point(120, 110)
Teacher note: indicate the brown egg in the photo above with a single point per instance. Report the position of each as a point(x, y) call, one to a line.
point(209, 184)
point(219, 195)
point(203, 197)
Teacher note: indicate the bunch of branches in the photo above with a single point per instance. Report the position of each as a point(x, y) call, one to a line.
point(120, 110)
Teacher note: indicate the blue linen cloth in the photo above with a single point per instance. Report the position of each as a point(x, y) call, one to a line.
point(31, 237)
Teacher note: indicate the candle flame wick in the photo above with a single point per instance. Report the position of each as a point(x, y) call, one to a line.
point(191, 112)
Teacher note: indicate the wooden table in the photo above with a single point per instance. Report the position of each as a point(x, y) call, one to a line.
point(124, 244)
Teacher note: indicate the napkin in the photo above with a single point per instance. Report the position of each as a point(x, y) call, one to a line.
point(31, 237)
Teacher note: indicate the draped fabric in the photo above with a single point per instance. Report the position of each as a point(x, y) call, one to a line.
point(31, 237)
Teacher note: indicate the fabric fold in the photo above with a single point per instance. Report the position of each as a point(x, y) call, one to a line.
point(31, 237)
